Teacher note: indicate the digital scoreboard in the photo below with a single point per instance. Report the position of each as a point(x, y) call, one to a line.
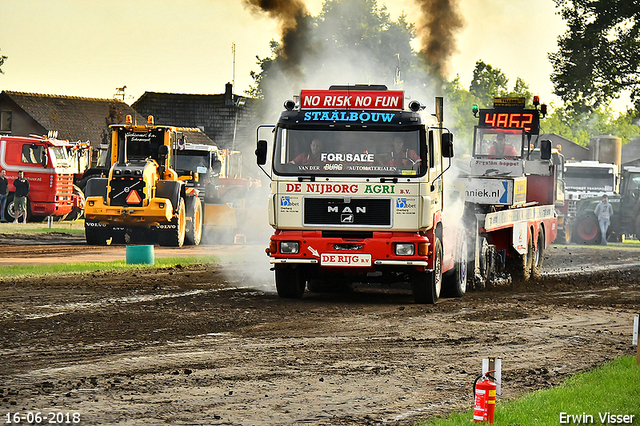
point(527, 119)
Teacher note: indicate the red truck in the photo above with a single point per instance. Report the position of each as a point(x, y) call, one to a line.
point(50, 165)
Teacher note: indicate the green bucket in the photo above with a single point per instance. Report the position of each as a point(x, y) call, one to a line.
point(140, 254)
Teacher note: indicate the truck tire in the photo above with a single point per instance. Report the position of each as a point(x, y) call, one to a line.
point(175, 237)
point(95, 237)
point(426, 286)
point(193, 207)
point(538, 256)
point(519, 265)
point(565, 234)
point(76, 212)
point(290, 282)
point(455, 281)
point(587, 230)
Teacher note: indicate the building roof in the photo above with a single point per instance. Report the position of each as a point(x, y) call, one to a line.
point(75, 118)
point(571, 150)
point(222, 116)
point(195, 136)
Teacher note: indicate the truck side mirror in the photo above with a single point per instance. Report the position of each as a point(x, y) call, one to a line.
point(261, 152)
point(447, 145)
point(216, 166)
point(163, 152)
point(545, 150)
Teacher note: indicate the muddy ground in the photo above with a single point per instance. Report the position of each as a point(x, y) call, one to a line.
point(214, 345)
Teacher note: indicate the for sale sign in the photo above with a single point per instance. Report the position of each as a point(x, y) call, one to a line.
point(352, 99)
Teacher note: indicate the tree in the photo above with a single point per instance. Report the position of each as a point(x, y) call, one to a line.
point(521, 90)
point(487, 83)
point(599, 55)
point(458, 115)
point(580, 127)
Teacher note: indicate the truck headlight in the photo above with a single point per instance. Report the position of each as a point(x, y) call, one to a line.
point(289, 247)
point(405, 249)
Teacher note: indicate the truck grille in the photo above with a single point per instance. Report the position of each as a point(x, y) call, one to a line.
point(347, 212)
point(121, 189)
point(64, 189)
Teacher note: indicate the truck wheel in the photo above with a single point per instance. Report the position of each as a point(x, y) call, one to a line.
point(519, 265)
point(175, 237)
point(95, 237)
point(290, 282)
point(538, 256)
point(456, 280)
point(193, 234)
point(587, 229)
point(426, 286)
point(77, 212)
point(565, 234)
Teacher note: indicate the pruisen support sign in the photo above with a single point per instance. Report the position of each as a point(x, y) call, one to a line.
point(356, 99)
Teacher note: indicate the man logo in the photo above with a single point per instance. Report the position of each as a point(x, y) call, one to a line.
point(401, 203)
point(346, 218)
point(285, 201)
point(347, 209)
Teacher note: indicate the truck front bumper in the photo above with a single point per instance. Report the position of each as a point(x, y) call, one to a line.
point(381, 250)
point(159, 210)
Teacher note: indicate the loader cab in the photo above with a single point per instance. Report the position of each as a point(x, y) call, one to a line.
point(139, 147)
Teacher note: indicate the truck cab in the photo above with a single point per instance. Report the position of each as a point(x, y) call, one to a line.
point(357, 192)
point(47, 163)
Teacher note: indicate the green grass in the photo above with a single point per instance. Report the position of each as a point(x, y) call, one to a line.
point(88, 267)
point(75, 227)
point(613, 388)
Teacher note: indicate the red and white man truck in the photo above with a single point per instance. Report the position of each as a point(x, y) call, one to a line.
point(365, 201)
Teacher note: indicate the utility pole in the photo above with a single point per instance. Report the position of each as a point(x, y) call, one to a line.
point(233, 79)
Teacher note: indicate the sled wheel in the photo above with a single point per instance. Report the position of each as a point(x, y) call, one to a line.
point(538, 256)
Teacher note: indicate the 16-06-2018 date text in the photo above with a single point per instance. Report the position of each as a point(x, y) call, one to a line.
point(37, 417)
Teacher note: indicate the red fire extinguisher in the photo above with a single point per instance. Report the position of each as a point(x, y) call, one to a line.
point(484, 390)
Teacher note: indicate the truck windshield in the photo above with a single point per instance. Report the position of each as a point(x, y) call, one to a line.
point(498, 143)
point(192, 161)
point(349, 152)
point(589, 179)
point(60, 158)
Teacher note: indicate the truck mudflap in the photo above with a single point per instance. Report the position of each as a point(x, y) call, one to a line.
point(378, 249)
point(159, 210)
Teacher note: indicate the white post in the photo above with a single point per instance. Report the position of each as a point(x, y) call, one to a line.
point(489, 364)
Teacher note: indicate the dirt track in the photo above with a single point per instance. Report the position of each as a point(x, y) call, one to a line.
point(213, 344)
